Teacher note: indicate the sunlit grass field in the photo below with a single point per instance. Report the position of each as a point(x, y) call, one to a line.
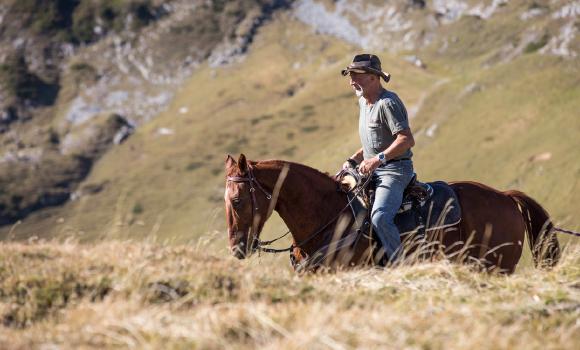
point(150, 296)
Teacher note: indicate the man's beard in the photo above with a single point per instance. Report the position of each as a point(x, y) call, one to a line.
point(358, 90)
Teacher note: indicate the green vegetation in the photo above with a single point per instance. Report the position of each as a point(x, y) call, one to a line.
point(19, 83)
point(44, 16)
point(120, 294)
point(138, 209)
point(111, 15)
point(75, 21)
point(193, 165)
point(536, 45)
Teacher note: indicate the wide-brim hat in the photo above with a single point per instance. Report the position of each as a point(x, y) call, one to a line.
point(366, 63)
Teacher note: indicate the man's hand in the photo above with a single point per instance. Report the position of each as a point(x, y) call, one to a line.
point(369, 165)
point(349, 164)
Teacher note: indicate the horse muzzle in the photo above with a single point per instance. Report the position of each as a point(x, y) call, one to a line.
point(239, 251)
point(242, 250)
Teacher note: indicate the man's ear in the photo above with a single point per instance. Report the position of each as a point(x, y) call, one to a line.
point(230, 162)
point(243, 164)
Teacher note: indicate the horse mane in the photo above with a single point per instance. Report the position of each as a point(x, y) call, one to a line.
point(279, 164)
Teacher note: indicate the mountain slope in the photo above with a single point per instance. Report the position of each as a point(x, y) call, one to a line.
point(77, 78)
point(265, 106)
point(494, 104)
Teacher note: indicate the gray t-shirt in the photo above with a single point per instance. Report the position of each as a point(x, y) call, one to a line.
point(378, 124)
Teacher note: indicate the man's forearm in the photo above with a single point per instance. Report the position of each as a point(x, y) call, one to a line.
point(358, 155)
point(398, 148)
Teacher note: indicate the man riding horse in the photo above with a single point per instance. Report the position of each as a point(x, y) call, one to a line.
point(386, 140)
point(480, 224)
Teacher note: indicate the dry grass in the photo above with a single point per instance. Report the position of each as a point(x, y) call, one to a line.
point(140, 295)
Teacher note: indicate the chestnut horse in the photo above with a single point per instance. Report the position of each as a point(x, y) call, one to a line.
point(316, 211)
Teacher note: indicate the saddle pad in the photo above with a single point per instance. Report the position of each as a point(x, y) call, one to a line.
point(440, 211)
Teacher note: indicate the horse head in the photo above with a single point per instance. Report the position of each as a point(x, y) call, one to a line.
point(246, 208)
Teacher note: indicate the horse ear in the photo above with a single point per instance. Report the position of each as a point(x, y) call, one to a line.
point(243, 163)
point(230, 162)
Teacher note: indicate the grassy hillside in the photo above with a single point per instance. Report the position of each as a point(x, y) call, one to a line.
point(510, 123)
point(497, 131)
point(285, 100)
point(143, 295)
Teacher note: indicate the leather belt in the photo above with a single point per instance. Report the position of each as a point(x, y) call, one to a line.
point(394, 161)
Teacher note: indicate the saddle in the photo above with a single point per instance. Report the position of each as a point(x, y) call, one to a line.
point(425, 206)
point(351, 180)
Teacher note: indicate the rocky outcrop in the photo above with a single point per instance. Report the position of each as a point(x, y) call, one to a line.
point(22, 90)
point(35, 178)
point(94, 138)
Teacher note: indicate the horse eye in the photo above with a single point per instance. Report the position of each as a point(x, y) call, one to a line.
point(236, 202)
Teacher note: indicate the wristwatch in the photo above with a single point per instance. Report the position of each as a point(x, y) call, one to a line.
point(382, 158)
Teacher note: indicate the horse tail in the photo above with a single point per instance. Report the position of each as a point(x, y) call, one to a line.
point(539, 230)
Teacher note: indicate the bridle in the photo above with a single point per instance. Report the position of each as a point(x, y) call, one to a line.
point(251, 179)
point(253, 183)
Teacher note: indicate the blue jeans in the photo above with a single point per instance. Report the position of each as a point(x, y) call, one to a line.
point(391, 180)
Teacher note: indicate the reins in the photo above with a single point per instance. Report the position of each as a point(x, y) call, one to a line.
point(357, 192)
point(262, 246)
point(577, 234)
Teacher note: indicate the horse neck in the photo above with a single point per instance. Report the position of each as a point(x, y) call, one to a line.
point(307, 200)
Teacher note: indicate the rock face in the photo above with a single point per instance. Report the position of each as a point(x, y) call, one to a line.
point(95, 137)
point(35, 178)
point(397, 26)
point(37, 40)
point(77, 77)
